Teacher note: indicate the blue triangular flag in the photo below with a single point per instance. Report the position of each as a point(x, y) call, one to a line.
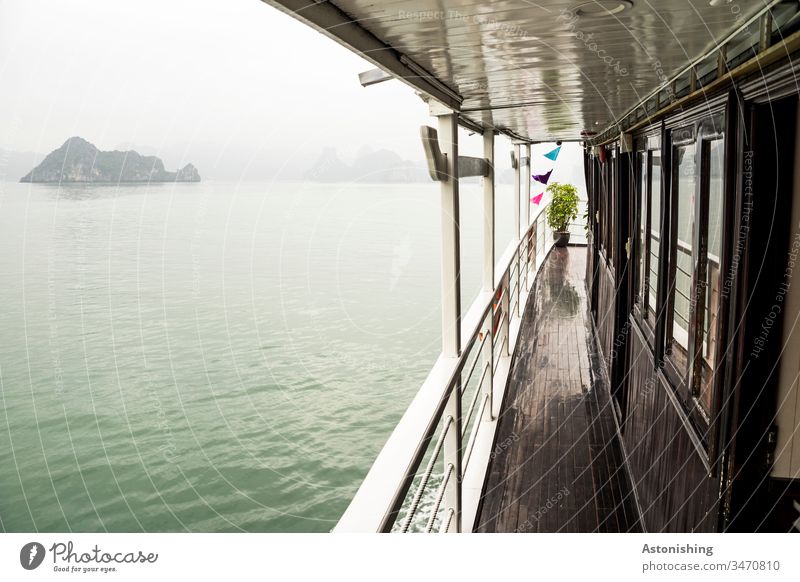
point(552, 155)
point(543, 178)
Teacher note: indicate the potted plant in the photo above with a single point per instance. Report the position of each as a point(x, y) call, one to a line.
point(562, 210)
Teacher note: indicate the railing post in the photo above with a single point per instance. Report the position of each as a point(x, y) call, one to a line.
point(487, 359)
point(518, 263)
point(487, 353)
point(505, 308)
point(542, 226)
point(451, 312)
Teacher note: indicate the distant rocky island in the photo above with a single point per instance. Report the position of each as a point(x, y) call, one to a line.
point(80, 161)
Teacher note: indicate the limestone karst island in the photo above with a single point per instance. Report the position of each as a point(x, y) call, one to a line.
point(77, 160)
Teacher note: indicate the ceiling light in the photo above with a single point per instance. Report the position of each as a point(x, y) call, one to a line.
point(599, 8)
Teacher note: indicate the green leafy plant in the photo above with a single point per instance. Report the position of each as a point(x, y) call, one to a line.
point(563, 207)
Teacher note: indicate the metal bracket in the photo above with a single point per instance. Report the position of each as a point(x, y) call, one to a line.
point(437, 161)
point(373, 77)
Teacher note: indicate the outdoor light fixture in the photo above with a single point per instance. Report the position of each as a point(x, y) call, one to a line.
point(719, 2)
point(599, 8)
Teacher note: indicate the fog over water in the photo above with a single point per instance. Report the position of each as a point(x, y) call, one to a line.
point(238, 88)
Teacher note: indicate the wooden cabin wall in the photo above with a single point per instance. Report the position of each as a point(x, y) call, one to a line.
point(689, 478)
point(677, 490)
point(674, 490)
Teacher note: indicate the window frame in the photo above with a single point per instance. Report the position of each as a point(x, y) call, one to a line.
point(600, 216)
point(681, 137)
point(641, 226)
point(709, 131)
point(613, 166)
point(650, 147)
point(687, 386)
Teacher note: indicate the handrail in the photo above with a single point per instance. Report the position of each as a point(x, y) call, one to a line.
point(383, 495)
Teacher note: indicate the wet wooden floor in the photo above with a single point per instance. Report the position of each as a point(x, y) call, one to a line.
point(557, 464)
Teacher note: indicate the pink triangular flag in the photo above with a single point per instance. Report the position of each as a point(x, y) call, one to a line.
point(538, 198)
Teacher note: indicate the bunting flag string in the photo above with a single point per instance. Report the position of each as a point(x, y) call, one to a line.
point(553, 155)
point(543, 178)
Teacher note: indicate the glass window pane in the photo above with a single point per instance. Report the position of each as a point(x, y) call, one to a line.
point(716, 157)
point(641, 243)
point(600, 176)
point(684, 201)
point(610, 225)
point(655, 230)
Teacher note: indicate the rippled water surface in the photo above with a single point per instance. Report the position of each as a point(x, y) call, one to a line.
point(213, 356)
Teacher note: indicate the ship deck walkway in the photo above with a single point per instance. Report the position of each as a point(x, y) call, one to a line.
point(557, 464)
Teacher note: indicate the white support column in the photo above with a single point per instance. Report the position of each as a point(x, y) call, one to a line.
point(527, 193)
point(488, 267)
point(517, 172)
point(451, 313)
point(527, 181)
point(488, 213)
point(451, 253)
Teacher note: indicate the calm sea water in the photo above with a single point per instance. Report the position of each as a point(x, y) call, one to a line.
point(213, 356)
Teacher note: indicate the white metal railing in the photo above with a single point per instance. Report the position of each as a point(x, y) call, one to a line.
point(396, 495)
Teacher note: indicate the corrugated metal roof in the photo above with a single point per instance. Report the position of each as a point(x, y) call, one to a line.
point(541, 70)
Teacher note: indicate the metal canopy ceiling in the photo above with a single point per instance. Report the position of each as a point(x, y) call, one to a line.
point(540, 71)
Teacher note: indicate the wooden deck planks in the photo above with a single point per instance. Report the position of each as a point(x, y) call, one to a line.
point(562, 469)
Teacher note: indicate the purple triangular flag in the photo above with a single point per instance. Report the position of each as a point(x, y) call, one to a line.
point(543, 178)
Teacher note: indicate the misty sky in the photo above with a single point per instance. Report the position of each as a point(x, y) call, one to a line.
point(234, 86)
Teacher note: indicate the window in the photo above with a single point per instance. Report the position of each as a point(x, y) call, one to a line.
point(647, 229)
point(713, 184)
point(683, 213)
point(600, 189)
point(611, 190)
point(654, 175)
point(641, 238)
point(606, 204)
point(695, 247)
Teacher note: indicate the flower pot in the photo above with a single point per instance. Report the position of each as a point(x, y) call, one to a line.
point(561, 238)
